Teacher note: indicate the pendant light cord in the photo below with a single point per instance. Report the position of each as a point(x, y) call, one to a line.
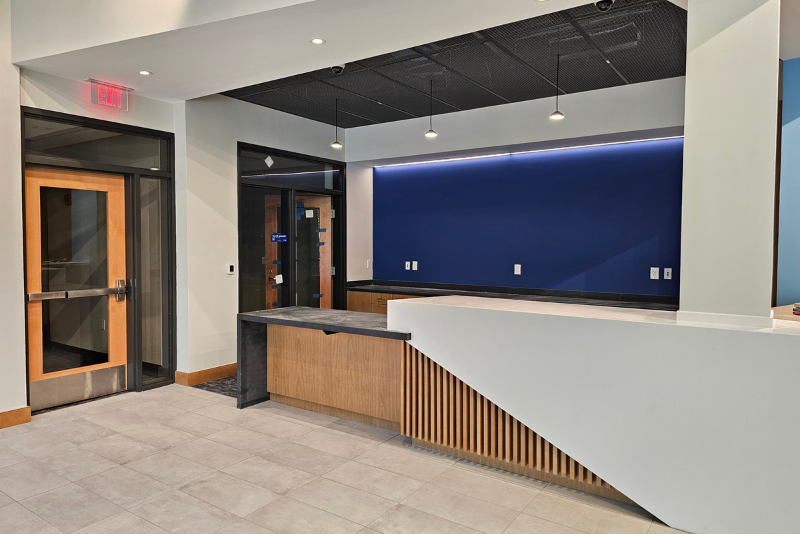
point(431, 104)
point(558, 78)
point(336, 120)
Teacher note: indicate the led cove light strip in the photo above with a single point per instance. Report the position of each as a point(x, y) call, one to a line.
point(527, 152)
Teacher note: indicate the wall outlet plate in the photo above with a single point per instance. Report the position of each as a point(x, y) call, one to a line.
point(369, 264)
point(414, 265)
point(517, 269)
point(667, 273)
point(654, 273)
point(408, 266)
point(231, 269)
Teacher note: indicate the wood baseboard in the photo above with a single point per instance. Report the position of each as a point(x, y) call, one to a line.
point(15, 417)
point(336, 412)
point(609, 493)
point(206, 375)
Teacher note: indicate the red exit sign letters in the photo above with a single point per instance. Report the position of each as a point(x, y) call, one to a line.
point(112, 96)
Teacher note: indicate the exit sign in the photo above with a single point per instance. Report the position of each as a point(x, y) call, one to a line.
point(108, 95)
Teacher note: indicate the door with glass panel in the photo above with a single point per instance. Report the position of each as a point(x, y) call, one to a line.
point(313, 251)
point(75, 275)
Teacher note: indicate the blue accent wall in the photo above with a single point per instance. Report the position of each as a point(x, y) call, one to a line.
point(788, 222)
point(592, 219)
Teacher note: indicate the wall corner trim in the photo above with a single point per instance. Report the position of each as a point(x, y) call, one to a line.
point(15, 417)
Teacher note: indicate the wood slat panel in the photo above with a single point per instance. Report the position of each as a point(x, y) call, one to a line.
point(443, 410)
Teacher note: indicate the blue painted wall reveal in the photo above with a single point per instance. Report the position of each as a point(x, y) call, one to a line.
point(586, 219)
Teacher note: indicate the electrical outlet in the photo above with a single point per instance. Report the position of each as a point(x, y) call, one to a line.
point(408, 266)
point(369, 264)
point(231, 269)
point(414, 265)
point(668, 273)
point(654, 273)
point(517, 269)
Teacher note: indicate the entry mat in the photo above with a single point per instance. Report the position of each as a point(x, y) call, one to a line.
point(223, 386)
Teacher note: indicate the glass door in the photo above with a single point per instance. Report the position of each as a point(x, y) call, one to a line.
point(313, 246)
point(76, 272)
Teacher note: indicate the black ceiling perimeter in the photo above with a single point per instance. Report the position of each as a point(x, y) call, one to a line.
point(636, 41)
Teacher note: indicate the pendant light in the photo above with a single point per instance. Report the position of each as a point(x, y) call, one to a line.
point(336, 144)
point(557, 115)
point(430, 134)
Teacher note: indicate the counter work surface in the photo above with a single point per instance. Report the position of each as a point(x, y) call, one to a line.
point(333, 321)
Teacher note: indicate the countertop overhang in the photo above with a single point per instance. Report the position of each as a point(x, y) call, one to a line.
point(329, 321)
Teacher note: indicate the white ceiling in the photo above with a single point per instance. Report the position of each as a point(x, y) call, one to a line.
point(203, 59)
point(790, 29)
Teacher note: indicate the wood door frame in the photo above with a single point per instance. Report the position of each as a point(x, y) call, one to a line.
point(37, 178)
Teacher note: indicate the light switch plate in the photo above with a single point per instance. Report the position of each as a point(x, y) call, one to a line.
point(668, 273)
point(517, 269)
point(414, 265)
point(408, 266)
point(654, 273)
point(369, 264)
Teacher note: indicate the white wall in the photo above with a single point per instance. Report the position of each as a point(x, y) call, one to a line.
point(685, 420)
point(729, 160)
point(52, 93)
point(359, 222)
point(13, 381)
point(214, 125)
point(618, 110)
point(47, 27)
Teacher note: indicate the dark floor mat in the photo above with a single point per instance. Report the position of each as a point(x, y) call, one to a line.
point(223, 386)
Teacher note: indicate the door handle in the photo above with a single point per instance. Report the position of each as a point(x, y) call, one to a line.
point(120, 291)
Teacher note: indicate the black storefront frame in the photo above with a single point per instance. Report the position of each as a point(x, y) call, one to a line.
point(133, 177)
point(288, 196)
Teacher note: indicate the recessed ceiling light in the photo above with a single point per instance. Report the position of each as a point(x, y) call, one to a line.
point(145, 72)
point(317, 40)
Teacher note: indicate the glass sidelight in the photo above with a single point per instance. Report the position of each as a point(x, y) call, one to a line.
point(313, 246)
point(75, 242)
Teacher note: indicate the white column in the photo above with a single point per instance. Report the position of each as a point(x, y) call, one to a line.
point(181, 239)
point(12, 289)
point(730, 154)
point(359, 222)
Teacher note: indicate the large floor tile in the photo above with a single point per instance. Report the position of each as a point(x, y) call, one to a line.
point(124, 487)
point(77, 464)
point(499, 474)
point(275, 477)
point(71, 507)
point(287, 516)
point(15, 430)
point(196, 424)
point(153, 410)
point(244, 527)
point(92, 407)
point(277, 427)
point(362, 430)
point(79, 431)
point(245, 440)
point(297, 415)
point(20, 481)
point(9, 457)
point(124, 523)
point(231, 494)
point(160, 436)
point(406, 520)
point(117, 420)
point(527, 524)
point(485, 488)
point(228, 414)
point(599, 502)
point(38, 444)
point(376, 481)
point(189, 402)
point(170, 469)
point(660, 528)
point(584, 517)
point(5, 499)
point(459, 508)
point(334, 442)
point(120, 448)
point(398, 461)
point(16, 519)
point(352, 504)
point(305, 458)
point(210, 453)
point(179, 513)
point(48, 419)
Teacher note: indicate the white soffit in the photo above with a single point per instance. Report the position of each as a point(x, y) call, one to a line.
point(210, 58)
point(790, 29)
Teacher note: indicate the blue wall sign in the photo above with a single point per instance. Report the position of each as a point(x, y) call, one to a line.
point(278, 238)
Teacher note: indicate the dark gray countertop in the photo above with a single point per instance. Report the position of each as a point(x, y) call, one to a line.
point(431, 292)
point(341, 321)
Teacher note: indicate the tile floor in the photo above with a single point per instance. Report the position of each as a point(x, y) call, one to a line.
point(185, 460)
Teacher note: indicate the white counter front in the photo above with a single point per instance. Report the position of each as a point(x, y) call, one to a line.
point(699, 424)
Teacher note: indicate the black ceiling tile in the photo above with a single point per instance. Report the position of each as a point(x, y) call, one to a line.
point(327, 94)
point(386, 59)
point(303, 108)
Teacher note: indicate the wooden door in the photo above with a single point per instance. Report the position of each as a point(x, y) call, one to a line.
point(323, 203)
point(75, 252)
